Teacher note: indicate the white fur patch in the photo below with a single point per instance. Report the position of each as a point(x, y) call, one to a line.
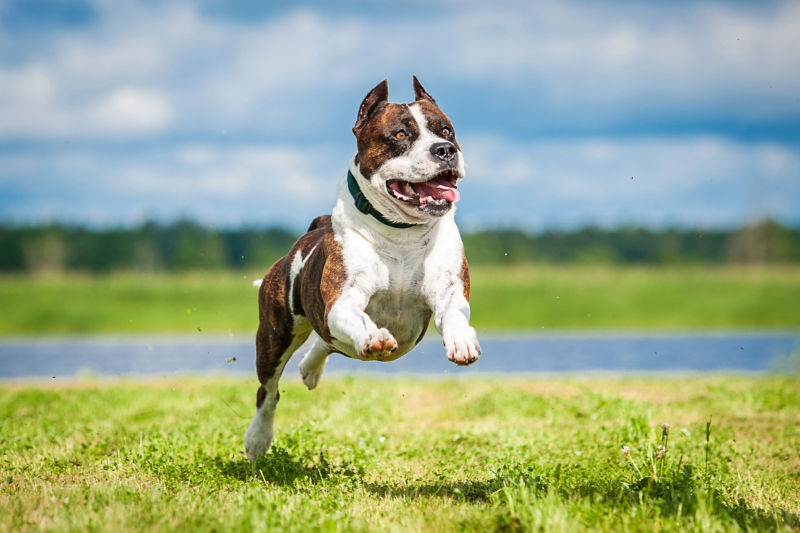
point(294, 270)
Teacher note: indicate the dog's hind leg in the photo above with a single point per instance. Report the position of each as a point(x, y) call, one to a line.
point(313, 363)
point(271, 360)
point(279, 335)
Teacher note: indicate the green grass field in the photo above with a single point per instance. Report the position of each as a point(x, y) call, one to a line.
point(363, 454)
point(509, 298)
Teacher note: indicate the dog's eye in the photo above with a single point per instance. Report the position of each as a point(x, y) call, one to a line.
point(400, 135)
point(446, 132)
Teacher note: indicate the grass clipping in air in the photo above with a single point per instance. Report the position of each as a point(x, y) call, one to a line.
point(365, 454)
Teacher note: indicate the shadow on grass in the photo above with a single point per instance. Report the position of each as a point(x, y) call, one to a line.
point(279, 467)
point(685, 491)
point(684, 494)
point(466, 490)
point(681, 494)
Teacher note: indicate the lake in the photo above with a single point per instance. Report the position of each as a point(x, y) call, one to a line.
point(567, 352)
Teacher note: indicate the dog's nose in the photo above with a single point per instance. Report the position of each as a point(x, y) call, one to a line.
point(444, 151)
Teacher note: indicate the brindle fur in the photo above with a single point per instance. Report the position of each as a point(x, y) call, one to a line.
point(315, 290)
point(464, 275)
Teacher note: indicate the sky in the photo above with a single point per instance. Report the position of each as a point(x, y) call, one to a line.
point(569, 113)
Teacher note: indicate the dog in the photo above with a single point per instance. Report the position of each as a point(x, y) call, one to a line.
point(367, 278)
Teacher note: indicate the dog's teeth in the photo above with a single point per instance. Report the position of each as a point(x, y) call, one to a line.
point(408, 189)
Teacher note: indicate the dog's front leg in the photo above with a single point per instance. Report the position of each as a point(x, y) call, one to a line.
point(347, 320)
point(451, 317)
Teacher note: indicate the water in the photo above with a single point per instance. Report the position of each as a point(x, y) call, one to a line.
point(510, 354)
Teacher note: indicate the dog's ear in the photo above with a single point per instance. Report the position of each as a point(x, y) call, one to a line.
point(420, 93)
point(378, 94)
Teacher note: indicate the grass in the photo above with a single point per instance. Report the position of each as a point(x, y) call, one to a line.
point(529, 297)
point(364, 454)
point(508, 298)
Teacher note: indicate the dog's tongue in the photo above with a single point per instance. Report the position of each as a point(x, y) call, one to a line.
point(437, 188)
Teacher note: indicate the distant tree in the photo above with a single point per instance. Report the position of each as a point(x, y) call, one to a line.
point(197, 248)
point(12, 256)
point(46, 253)
point(186, 245)
point(763, 242)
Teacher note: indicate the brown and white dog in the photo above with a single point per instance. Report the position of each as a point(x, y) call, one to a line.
point(367, 278)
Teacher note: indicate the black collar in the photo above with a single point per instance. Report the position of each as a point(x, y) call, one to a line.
point(363, 205)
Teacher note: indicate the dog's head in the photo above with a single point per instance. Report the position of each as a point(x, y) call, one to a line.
point(407, 155)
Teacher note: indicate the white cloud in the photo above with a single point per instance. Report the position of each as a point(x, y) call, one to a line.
point(27, 106)
point(130, 110)
point(32, 104)
point(709, 181)
point(597, 60)
point(691, 180)
point(145, 71)
point(254, 183)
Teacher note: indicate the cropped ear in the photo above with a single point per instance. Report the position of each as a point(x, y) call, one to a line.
point(420, 93)
point(378, 94)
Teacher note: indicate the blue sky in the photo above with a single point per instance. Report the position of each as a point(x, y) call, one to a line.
point(569, 113)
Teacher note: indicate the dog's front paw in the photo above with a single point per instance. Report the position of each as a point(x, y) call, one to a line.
point(378, 345)
point(462, 348)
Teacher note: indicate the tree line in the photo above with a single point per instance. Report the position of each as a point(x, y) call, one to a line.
point(186, 245)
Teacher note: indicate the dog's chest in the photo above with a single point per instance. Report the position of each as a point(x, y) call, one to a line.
point(396, 275)
point(404, 314)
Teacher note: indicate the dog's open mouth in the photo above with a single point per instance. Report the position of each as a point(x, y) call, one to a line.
point(438, 191)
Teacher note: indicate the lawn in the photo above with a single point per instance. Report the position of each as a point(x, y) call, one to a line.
point(367, 454)
point(526, 297)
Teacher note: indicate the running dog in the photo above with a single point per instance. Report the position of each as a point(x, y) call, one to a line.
point(367, 278)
